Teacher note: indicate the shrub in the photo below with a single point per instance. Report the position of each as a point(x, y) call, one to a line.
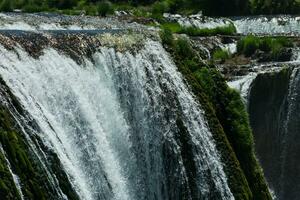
point(174, 27)
point(194, 31)
point(6, 6)
point(31, 7)
point(250, 44)
point(104, 8)
point(60, 4)
point(184, 49)
point(166, 36)
point(221, 54)
point(159, 8)
point(90, 10)
point(176, 5)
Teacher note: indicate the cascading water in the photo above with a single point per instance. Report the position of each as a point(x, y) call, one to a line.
point(280, 24)
point(289, 179)
point(124, 125)
point(273, 104)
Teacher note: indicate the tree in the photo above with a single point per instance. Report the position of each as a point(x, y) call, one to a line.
point(274, 6)
point(104, 8)
point(6, 6)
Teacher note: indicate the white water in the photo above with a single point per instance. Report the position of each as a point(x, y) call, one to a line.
point(107, 121)
point(44, 22)
point(268, 25)
point(243, 84)
point(198, 21)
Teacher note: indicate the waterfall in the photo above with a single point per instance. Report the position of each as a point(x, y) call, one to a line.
point(123, 124)
point(289, 179)
point(273, 105)
point(278, 24)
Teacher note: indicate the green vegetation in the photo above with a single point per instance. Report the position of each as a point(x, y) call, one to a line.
point(275, 7)
point(8, 189)
point(155, 8)
point(221, 55)
point(105, 8)
point(34, 180)
point(166, 36)
point(250, 44)
point(227, 118)
point(16, 152)
point(194, 31)
point(6, 6)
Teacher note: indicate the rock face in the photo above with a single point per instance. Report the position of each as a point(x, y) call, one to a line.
point(274, 111)
point(122, 124)
point(109, 116)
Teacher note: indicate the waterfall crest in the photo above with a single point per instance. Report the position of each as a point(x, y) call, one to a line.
point(124, 125)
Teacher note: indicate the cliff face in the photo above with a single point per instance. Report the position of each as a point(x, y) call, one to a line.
point(274, 117)
point(227, 119)
point(88, 115)
point(23, 171)
point(267, 111)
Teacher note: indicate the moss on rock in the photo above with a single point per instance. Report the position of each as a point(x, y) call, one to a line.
point(228, 121)
point(34, 179)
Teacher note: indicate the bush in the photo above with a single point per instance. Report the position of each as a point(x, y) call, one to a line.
point(104, 8)
point(166, 36)
point(159, 8)
point(59, 4)
point(6, 6)
point(194, 31)
point(33, 8)
point(184, 49)
point(221, 54)
point(90, 10)
point(174, 27)
point(250, 44)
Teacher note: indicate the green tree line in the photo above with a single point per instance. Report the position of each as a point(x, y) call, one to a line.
point(209, 7)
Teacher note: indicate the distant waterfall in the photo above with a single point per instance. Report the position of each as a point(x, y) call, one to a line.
point(120, 123)
point(290, 174)
point(274, 111)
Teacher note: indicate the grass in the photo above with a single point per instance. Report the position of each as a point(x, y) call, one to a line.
point(274, 45)
point(194, 31)
point(221, 55)
point(223, 30)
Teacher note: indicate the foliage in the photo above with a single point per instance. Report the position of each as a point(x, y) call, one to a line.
point(166, 36)
point(184, 48)
point(228, 121)
point(275, 6)
point(250, 44)
point(157, 7)
point(194, 31)
point(174, 27)
point(221, 54)
point(8, 189)
point(6, 6)
point(105, 8)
